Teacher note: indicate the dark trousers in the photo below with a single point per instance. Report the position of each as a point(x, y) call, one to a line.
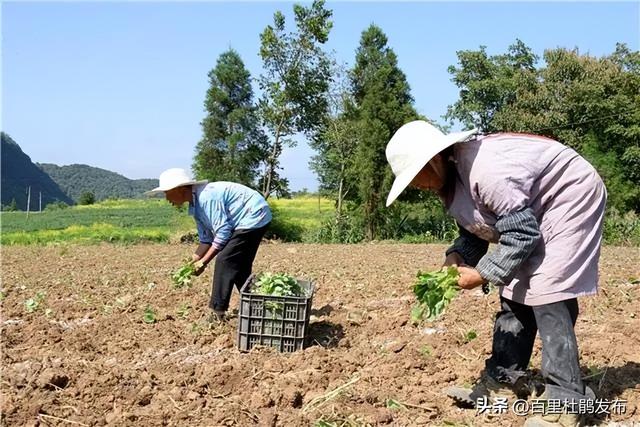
point(233, 265)
point(513, 337)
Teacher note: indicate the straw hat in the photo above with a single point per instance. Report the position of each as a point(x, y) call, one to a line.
point(173, 178)
point(412, 147)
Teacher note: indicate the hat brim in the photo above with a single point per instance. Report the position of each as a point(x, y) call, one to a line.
point(158, 190)
point(403, 180)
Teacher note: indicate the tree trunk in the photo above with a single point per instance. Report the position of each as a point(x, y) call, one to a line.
point(266, 182)
point(340, 196)
point(370, 231)
point(266, 190)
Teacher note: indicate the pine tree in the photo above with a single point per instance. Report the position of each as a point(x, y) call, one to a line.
point(232, 143)
point(383, 103)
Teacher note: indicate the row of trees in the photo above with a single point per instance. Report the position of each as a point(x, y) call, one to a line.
point(240, 136)
point(349, 114)
point(346, 115)
point(86, 198)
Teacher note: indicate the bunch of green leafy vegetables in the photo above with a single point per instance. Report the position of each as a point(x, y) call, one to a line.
point(434, 291)
point(281, 285)
point(182, 276)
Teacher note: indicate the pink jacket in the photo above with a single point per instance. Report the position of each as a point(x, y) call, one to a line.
point(503, 173)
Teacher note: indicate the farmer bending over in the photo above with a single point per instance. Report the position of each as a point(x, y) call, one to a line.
point(231, 220)
point(543, 206)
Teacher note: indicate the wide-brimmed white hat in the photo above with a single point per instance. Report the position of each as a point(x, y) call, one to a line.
point(412, 147)
point(173, 178)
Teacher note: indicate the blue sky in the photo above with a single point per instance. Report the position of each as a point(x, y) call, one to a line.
point(121, 85)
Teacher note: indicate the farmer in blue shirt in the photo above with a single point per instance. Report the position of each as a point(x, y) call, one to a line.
point(231, 220)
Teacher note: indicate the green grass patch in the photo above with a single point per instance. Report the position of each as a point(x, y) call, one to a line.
point(301, 219)
point(120, 213)
point(123, 221)
point(95, 233)
point(306, 212)
point(140, 220)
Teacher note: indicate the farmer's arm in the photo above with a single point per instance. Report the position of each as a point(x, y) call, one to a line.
point(217, 238)
point(211, 252)
point(506, 194)
point(200, 251)
point(519, 235)
point(466, 249)
point(222, 237)
point(202, 254)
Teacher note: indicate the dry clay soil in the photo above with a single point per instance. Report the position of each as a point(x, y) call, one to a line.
point(84, 356)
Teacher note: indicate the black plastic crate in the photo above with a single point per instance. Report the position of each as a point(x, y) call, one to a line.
point(279, 322)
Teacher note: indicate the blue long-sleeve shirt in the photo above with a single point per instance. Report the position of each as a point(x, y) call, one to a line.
point(220, 208)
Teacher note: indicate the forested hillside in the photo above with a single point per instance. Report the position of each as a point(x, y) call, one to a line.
point(77, 179)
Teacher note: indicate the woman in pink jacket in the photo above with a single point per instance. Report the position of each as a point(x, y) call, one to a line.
point(543, 206)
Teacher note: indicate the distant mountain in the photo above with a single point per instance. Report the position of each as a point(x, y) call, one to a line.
point(76, 179)
point(18, 173)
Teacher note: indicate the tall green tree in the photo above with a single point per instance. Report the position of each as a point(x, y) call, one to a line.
point(336, 142)
point(382, 103)
point(490, 83)
point(233, 143)
point(294, 84)
point(595, 105)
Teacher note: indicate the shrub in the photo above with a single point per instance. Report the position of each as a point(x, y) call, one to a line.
point(282, 229)
point(11, 207)
point(55, 206)
point(341, 229)
point(87, 198)
point(621, 229)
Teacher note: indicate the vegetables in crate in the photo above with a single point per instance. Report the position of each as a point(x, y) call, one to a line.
point(280, 285)
point(434, 291)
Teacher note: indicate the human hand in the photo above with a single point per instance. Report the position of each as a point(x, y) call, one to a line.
point(199, 267)
point(469, 277)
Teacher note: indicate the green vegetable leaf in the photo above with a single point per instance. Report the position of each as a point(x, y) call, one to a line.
point(281, 285)
point(434, 291)
point(417, 312)
point(149, 315)
point(470, 336)
point(30, 305)
point(182, 277)
point(395, 404)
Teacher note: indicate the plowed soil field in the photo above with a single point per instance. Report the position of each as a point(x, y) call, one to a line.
point(80, 352)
